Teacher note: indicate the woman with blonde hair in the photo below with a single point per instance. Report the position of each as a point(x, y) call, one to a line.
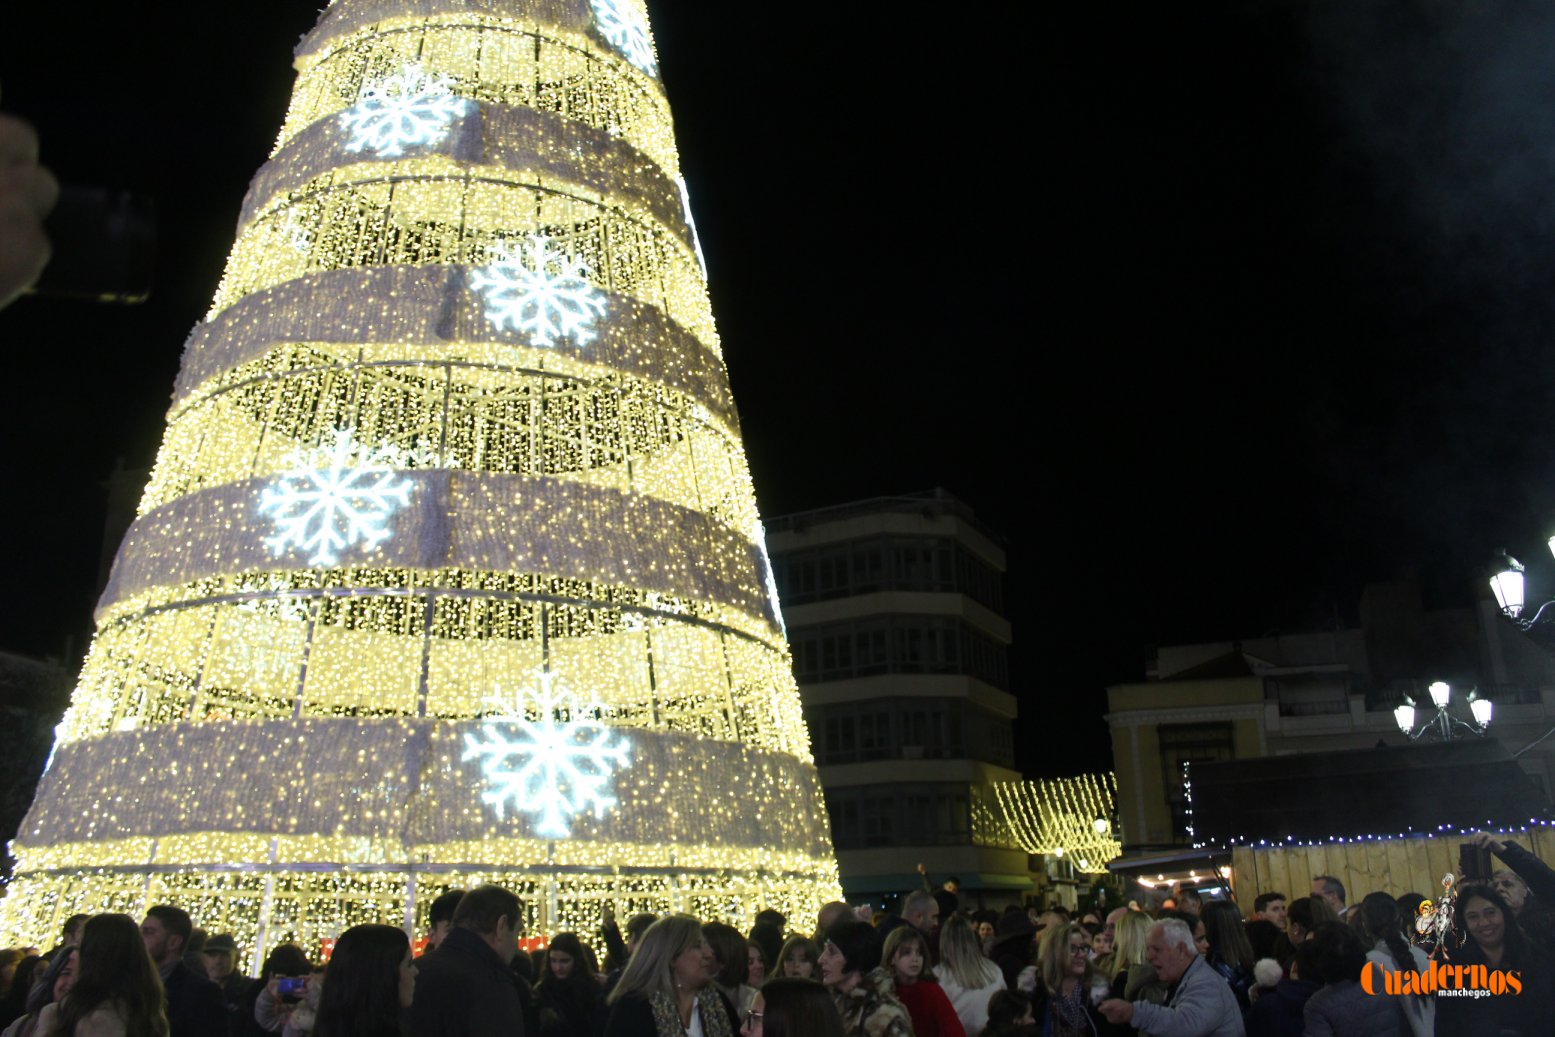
point(666, 989)
point(1068, 988)
point(1133, 976)
point(966, 974)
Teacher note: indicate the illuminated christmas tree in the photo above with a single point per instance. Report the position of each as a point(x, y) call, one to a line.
point(449, 569)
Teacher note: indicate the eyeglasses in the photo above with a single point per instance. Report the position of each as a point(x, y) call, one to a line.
point(752, 1017)
point(1079, 948)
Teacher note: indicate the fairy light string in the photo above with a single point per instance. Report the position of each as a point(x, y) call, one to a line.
point(272, 732)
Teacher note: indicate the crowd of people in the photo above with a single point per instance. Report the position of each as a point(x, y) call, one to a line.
point(1186, 966)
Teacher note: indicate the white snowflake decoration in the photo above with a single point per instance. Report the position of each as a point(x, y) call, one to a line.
point(536, 289)
point(548, 755)
point(623, 25)
point(334, 497)
point(408, 109)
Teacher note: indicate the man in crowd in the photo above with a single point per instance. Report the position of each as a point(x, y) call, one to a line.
point(1104, 964)
point(221, 966)
point(194, 1003)
point(70, 934)
point(830, 914)
point(921, 911)
point(636, 926)
point(1201, 1003)
point(1331, 890)
point(220, 955)
point(1271, 908)
point(466, 989)
point(441, 918)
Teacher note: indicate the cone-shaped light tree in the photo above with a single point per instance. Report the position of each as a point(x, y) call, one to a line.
point(449, 569)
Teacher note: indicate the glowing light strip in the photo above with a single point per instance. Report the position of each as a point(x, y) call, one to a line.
point(1059, 814)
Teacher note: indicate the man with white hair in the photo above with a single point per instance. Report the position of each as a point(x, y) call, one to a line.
point(1201, 1003)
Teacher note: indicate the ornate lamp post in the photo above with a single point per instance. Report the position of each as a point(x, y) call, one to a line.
point(1445, 725)
point(1508, 585)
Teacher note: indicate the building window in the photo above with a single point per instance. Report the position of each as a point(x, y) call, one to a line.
point(1189, 743)
point(897, 644)
point(911, 815)
point(933, 564)
point(913, 729)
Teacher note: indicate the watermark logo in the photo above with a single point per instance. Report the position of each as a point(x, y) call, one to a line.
point(1443, 980)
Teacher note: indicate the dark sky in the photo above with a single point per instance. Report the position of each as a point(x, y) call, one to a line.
point(1217, 310)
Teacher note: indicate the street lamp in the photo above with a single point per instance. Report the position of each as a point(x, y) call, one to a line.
point(1507, 584)
point(1443, 722)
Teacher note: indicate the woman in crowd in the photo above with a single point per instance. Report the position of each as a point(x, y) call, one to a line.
point(1341, 1007)
point(267, 1008)
point(1134, 978)
point(767, 937)
point(1527, 885)
point(863, 992)
point(572, 1001)
point(9, 959)
point(1381, 928)
point(1491, 938)
point(792, 1008)
point(756, 973)
point(798, 958)
point(1069, 989)
point(983, 923)
point(117, 989)
point(906, 955)
point(966, 975)
point(57, 981)
point(667, 986)
point(1305, 915)
point(1014, 941)
point(369, 982)
point(14, 1004)
point(1230, 952)
point(733, 955)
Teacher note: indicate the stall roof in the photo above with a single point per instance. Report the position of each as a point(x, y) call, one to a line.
point(1384, 791)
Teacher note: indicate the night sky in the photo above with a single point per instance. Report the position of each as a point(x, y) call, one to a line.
point(1217, 311)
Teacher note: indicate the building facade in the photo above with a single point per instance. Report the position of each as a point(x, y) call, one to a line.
point(894, 614)
point(1316, 692)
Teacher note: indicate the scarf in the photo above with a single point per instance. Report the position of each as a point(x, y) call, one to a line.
point(715, 1021)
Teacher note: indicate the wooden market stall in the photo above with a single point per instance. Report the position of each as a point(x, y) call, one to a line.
point(1389, 818)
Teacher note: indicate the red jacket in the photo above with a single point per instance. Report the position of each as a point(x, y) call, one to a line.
point(930, 1009)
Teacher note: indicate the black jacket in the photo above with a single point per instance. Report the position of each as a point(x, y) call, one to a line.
point(465, 990)
point(195, 1007)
